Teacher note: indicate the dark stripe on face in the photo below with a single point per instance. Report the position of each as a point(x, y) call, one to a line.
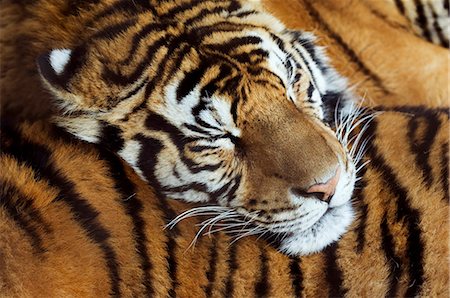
point(234, 43)
point(202, 148)
point(112, 31)
point(211, 87)
point(133, 91)
point(207, 12)
point(444, 171)
point(134, 208)
point(309, 46)
point(422, 20)
point(124, 6)
point(142, 35)
point(334, 273)
point(39, 159)
point(421, 144)
point(212, 271)
point(110, 137)
point(296, 276)
point(115, 78)
point(393, 261)
point(346, 48)
point(190, 81)
point(179, 9)
point(249, 57)
point(24, 216)
point(156, 122)
point(262, 286)
point(233, 265)
point(405, 214)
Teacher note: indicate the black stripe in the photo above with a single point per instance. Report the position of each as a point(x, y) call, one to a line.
point(134, 208)
point(232, 267)
point(405, 214)
point(393, 261)
point(26, 202)
point(333, 273)
point(262, 286)
point(131, 8)
point(421, 144)
point(156, 122)
point(173, 266)
point(178, 9)
point(296, 276)
point(39, 159)
point(207, 12)
point(253, 57)
point(346, 48)
point(112, 31)
point(437, 28)
point(385, 19)
point(132, 92)
point(120, 79)
point(422, 20)
point(444, 171)
point(190, 81)
point(74, 7)
point(21, 210)
point(142, 35)
point(416, 110)
point(361, 228)
point(234, 43)
point(111, 137)
point(212, 271)
point(400, 6)
point(147, 162)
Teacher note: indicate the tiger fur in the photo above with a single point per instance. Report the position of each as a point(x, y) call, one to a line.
point(261, 285)
point(78, 222)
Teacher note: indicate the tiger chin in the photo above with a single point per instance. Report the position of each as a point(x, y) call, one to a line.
point(231, 109)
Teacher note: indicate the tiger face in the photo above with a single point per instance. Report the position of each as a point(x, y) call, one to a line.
point(231, 109)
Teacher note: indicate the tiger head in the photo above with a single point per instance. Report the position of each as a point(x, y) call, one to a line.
point(232, 109)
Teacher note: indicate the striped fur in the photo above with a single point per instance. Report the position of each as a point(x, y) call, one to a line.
point(365, 40)
point(429, 19)
point(86, 192)
point(215, 102)
point(76, 221)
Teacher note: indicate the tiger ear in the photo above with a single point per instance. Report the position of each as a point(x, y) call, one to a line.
point(59, 65)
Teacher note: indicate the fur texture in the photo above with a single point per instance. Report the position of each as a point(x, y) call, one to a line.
point(401, 237)
point(76, 221)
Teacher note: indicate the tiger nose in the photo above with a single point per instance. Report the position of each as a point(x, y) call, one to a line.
point(324, 191)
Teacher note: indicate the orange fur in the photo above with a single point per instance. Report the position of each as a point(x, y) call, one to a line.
point(70, 263)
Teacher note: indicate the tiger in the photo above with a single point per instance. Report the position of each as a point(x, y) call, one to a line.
point(72, 74)
point(77, 221)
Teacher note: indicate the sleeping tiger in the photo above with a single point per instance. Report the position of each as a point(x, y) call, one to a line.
point(153, 84)
point(76, 221)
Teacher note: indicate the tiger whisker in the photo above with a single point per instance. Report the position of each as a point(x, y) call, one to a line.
point(204, 210)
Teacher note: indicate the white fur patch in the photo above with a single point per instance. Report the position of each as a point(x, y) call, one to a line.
point(327, 230)
point(59, 59)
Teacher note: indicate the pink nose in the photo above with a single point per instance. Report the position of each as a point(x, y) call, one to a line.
point(327, 189)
